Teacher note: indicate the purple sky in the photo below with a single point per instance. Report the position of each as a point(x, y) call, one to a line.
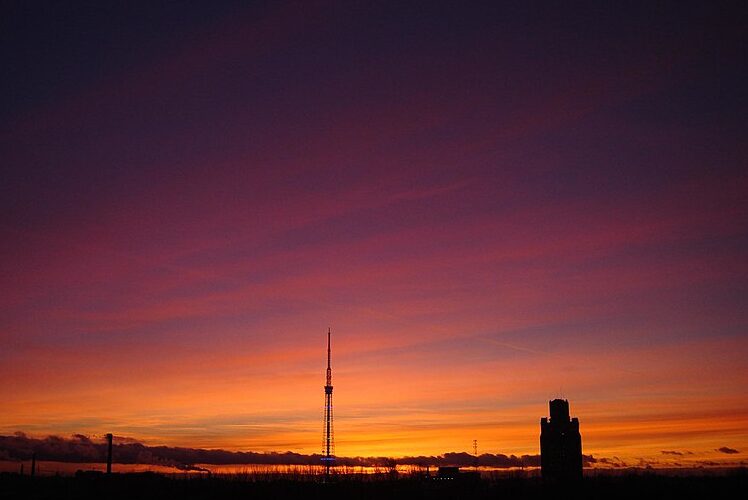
point(491, 205)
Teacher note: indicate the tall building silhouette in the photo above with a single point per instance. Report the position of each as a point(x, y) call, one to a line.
point(560, 444)
point(328, 437)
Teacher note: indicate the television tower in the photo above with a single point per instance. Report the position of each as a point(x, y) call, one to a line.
point(328, 439)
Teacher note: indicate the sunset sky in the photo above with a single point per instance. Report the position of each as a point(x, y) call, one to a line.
point(491, 205)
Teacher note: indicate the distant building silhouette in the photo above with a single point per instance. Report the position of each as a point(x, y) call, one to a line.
point(448, 473)
point(560, 444)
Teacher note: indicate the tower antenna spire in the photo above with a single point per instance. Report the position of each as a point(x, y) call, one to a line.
point(329, 370)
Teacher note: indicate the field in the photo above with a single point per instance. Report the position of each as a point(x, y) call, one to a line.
point(152, 485)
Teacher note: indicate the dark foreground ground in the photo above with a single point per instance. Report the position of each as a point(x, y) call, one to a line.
point(145, 486)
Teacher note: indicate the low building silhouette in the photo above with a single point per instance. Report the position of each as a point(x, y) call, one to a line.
point(448, 473)
point(560, 444)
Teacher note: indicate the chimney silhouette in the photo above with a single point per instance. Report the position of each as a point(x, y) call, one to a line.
point(109, 454)
point(33, 464)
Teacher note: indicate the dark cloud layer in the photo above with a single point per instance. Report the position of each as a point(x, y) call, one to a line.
point(676, 452)
point(82, 449)
point(613, 462)
point(729, 451)
point(487, 459)
point(79, 448)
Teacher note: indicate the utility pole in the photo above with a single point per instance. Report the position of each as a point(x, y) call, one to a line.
point(109, 453)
